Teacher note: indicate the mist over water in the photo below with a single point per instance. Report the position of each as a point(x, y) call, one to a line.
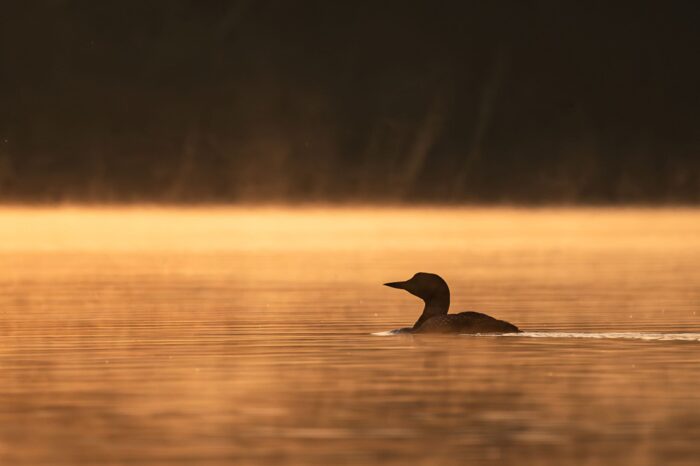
point(244, 336)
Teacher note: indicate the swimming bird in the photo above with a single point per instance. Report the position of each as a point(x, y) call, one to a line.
point(433, 290)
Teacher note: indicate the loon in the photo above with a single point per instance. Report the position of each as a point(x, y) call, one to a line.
point(433, 290)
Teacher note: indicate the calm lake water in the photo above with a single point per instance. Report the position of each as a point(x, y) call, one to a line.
point(244, 337)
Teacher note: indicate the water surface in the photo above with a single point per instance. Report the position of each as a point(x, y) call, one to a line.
point(244, 336)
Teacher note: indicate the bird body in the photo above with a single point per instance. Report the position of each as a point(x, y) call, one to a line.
point(433, 290)
point(465, 322)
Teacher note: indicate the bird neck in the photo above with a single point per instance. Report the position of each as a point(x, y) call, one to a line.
point(436, 305)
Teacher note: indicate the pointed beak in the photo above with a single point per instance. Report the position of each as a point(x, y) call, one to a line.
point(399, 285)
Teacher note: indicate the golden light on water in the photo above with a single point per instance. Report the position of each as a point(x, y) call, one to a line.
point(358, 229)
point(244, 336)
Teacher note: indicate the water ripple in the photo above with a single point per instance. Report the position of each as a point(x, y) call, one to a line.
point(591, 335)
point(611, 335)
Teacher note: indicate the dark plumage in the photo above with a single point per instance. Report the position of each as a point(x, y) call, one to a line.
point(433, 290)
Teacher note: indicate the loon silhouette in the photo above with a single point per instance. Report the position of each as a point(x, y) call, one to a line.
point(433, 290)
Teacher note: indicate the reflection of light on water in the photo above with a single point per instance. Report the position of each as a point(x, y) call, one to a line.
point(242, 336)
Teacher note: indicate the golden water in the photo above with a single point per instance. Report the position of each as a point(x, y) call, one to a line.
point(243, 337)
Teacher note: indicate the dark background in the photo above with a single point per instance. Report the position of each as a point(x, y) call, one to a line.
point(496, 102)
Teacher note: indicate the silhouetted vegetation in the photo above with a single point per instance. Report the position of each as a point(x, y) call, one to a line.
point(506, 101)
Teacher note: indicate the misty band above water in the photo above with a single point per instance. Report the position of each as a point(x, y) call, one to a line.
point(591, 335)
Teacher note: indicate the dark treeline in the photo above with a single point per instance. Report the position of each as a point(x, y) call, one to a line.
point(502, 101)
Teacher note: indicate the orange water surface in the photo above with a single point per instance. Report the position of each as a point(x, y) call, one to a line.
point(216, 336)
